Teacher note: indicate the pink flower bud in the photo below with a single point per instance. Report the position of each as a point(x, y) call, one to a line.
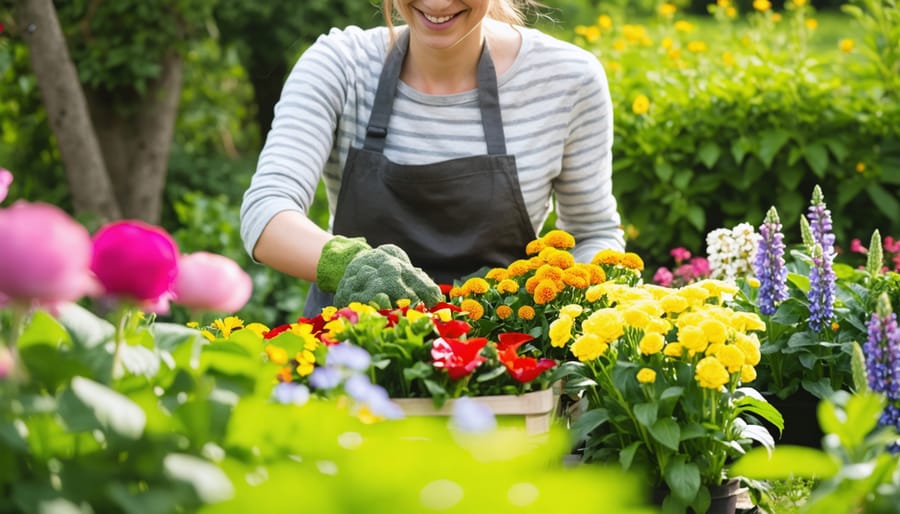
point(136, 260)
point(6, 179)
point(45, 255)
point(211, 282)
point(6, 362)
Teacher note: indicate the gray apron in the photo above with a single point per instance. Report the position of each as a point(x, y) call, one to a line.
point(452, 217)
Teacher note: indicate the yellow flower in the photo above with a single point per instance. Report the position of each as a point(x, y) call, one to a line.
point(673, 350)
point(544, 292)
point(684, 26)
point(526, 312)
point(548, 272)
point(728, 58)
point(305, 363)
point(749, 346)
point(723, 3)
point(673, 303)
point(646, 376)
point(762, 5)
point(693, 338)
point(588, 347)
point(208, 335)
point(456, 292)
point(573, 310)
point(748, 373)
point(776, 17)
point(847, 45)
point(560, 331)
point(860, 167)
point(504, 311)
point(641, 105)
point(694, 294)
point(444, 315)
point(561, 259)
point(228, 325)
point(716, 331)
point(812, 23)
point(635, 317)
point(605, 323)
point(731, 12)
point(192, 324)
point(667, 10)
point(577, 277)
point(473, 308)
point(666, 43)
point(604, 21)
point(276, 354)
point(607, 256)
point(744, 321)
point(257, 328)
point(731, 357)
point(711, 374)
point(518, 268)
point(652, 343)
point(799, 3)
point(753, 282)
point(508, 285)
point(496, 274)
point(329, 312)
point(534, 247)
point(633, 261)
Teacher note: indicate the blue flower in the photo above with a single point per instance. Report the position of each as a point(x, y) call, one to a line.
point(325, 377)
point(821, 291)
point(349, 356)
point(769, 265)
point(289, 393)
point(472, 416)
point(882, 350)
point(375, 397)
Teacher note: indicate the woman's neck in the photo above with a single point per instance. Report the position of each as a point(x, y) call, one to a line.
point(444, 71)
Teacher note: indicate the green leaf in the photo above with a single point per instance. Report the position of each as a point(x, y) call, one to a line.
point(85, 328)
point(209, 482)
point(858, 369)
point(88, 405)
point(683, 478)
point(762, 409)
point(696, 215)
point(709, 153)
point(645, 413)
point(886, 202)
point(626, 456)
point(666, 432)
point(785, 462)
point(43, 329)
point(817, 157)
point(664, 171)
point(769, 145)
point(587, 422)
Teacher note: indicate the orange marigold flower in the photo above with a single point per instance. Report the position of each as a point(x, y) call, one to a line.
point(559, 239)
point(633, 261)
point(545, 292)
point(456, 292)
point(549, 272)
point(285, 374)
point(508, 285)
point(531, 284)
point(472, 308)
point(535, 247)
point(476, 285)
point(504, 311)
point(497, 274)
point(596, 273)
point(607, 256)
point(526, 312)
point(577, 277)
point(561, 259)
point(519, 268)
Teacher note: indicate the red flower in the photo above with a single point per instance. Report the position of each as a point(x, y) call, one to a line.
point(525, 369)
point(445, 288)
point(511, 341)
point(275, 331)
point(444, 305)
point(459, 358)
point(453, 328)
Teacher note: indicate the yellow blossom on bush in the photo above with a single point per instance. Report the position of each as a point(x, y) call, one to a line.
point(519, 268)
point(667, 9)
point(711, 374)
point(646, 376)
point(697, 47)
point(573, 310)
point(605, 323)
point(526, 312)
point(641, 105)
point(476, 285)
point(588, 347)
point(674, 303)
point(306, 362)
point(534, 247)
point(748, 373)
point(860, 167)
point(508, 286)
point(715, 331)
point(227, 325)
point(673, 350)
point(276, 354)
point(604, 21)
point(559, 239)
point(560, 331)
point(684, 26)
point(497, 274)
point(812, 23)
point(473, 308)
point(749, 346)
point(693, 338)
point(652, 343)
point(504, 311)
point(731, 357)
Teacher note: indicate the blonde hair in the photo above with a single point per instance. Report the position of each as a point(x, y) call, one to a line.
point(508, 11)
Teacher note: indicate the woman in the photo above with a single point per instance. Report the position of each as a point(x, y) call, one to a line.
point(448, 136)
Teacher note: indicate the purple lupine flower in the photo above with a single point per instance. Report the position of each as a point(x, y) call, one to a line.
point(769, 265)
point(819, 217)
point(882, 350)
point(821, 291)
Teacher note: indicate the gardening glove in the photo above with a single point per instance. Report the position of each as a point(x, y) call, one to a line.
point(383, 275)
point(336, 255)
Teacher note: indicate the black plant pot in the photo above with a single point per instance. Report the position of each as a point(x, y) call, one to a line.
point(801, 422)
point(723, 498)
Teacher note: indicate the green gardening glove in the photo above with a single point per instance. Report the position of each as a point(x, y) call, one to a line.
point(336, 255)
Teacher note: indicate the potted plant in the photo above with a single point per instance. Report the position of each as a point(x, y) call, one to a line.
point(664, 374)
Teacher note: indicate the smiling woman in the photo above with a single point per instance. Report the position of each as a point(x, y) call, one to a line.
point(450, 135)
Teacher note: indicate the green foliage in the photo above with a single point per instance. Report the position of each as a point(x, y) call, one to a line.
point(855, 472)
point(738, 116)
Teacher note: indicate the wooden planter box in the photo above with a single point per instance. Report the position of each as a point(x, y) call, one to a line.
point(536, 408)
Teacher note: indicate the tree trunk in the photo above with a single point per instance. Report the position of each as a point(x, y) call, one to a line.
point(67, 110)
point(136, 146)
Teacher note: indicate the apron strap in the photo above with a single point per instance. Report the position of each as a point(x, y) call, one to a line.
point(488, 99)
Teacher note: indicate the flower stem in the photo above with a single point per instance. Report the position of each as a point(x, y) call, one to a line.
point(124, 315)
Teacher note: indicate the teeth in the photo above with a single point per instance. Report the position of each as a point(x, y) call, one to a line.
point(442, 19)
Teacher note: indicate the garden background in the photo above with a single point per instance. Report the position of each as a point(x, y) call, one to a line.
point(720, 114)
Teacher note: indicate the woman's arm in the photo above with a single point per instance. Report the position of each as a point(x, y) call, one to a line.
point(291, 243)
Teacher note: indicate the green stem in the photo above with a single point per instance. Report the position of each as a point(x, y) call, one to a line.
point(124, 315)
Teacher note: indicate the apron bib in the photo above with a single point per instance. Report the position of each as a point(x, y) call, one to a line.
point(452, 217)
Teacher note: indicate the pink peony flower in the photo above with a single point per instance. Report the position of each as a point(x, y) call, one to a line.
point(680, 254)
point(6, 179)
point(663, 277)
point(46, 255)
point(136, 260)
point(211, 282)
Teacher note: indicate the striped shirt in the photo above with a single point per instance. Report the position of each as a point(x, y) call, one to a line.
point(557, 117)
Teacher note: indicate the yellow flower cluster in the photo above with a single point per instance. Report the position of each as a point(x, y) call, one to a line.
point(663, 328)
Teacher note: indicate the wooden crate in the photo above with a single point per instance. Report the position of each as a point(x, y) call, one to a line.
point(536, 408)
